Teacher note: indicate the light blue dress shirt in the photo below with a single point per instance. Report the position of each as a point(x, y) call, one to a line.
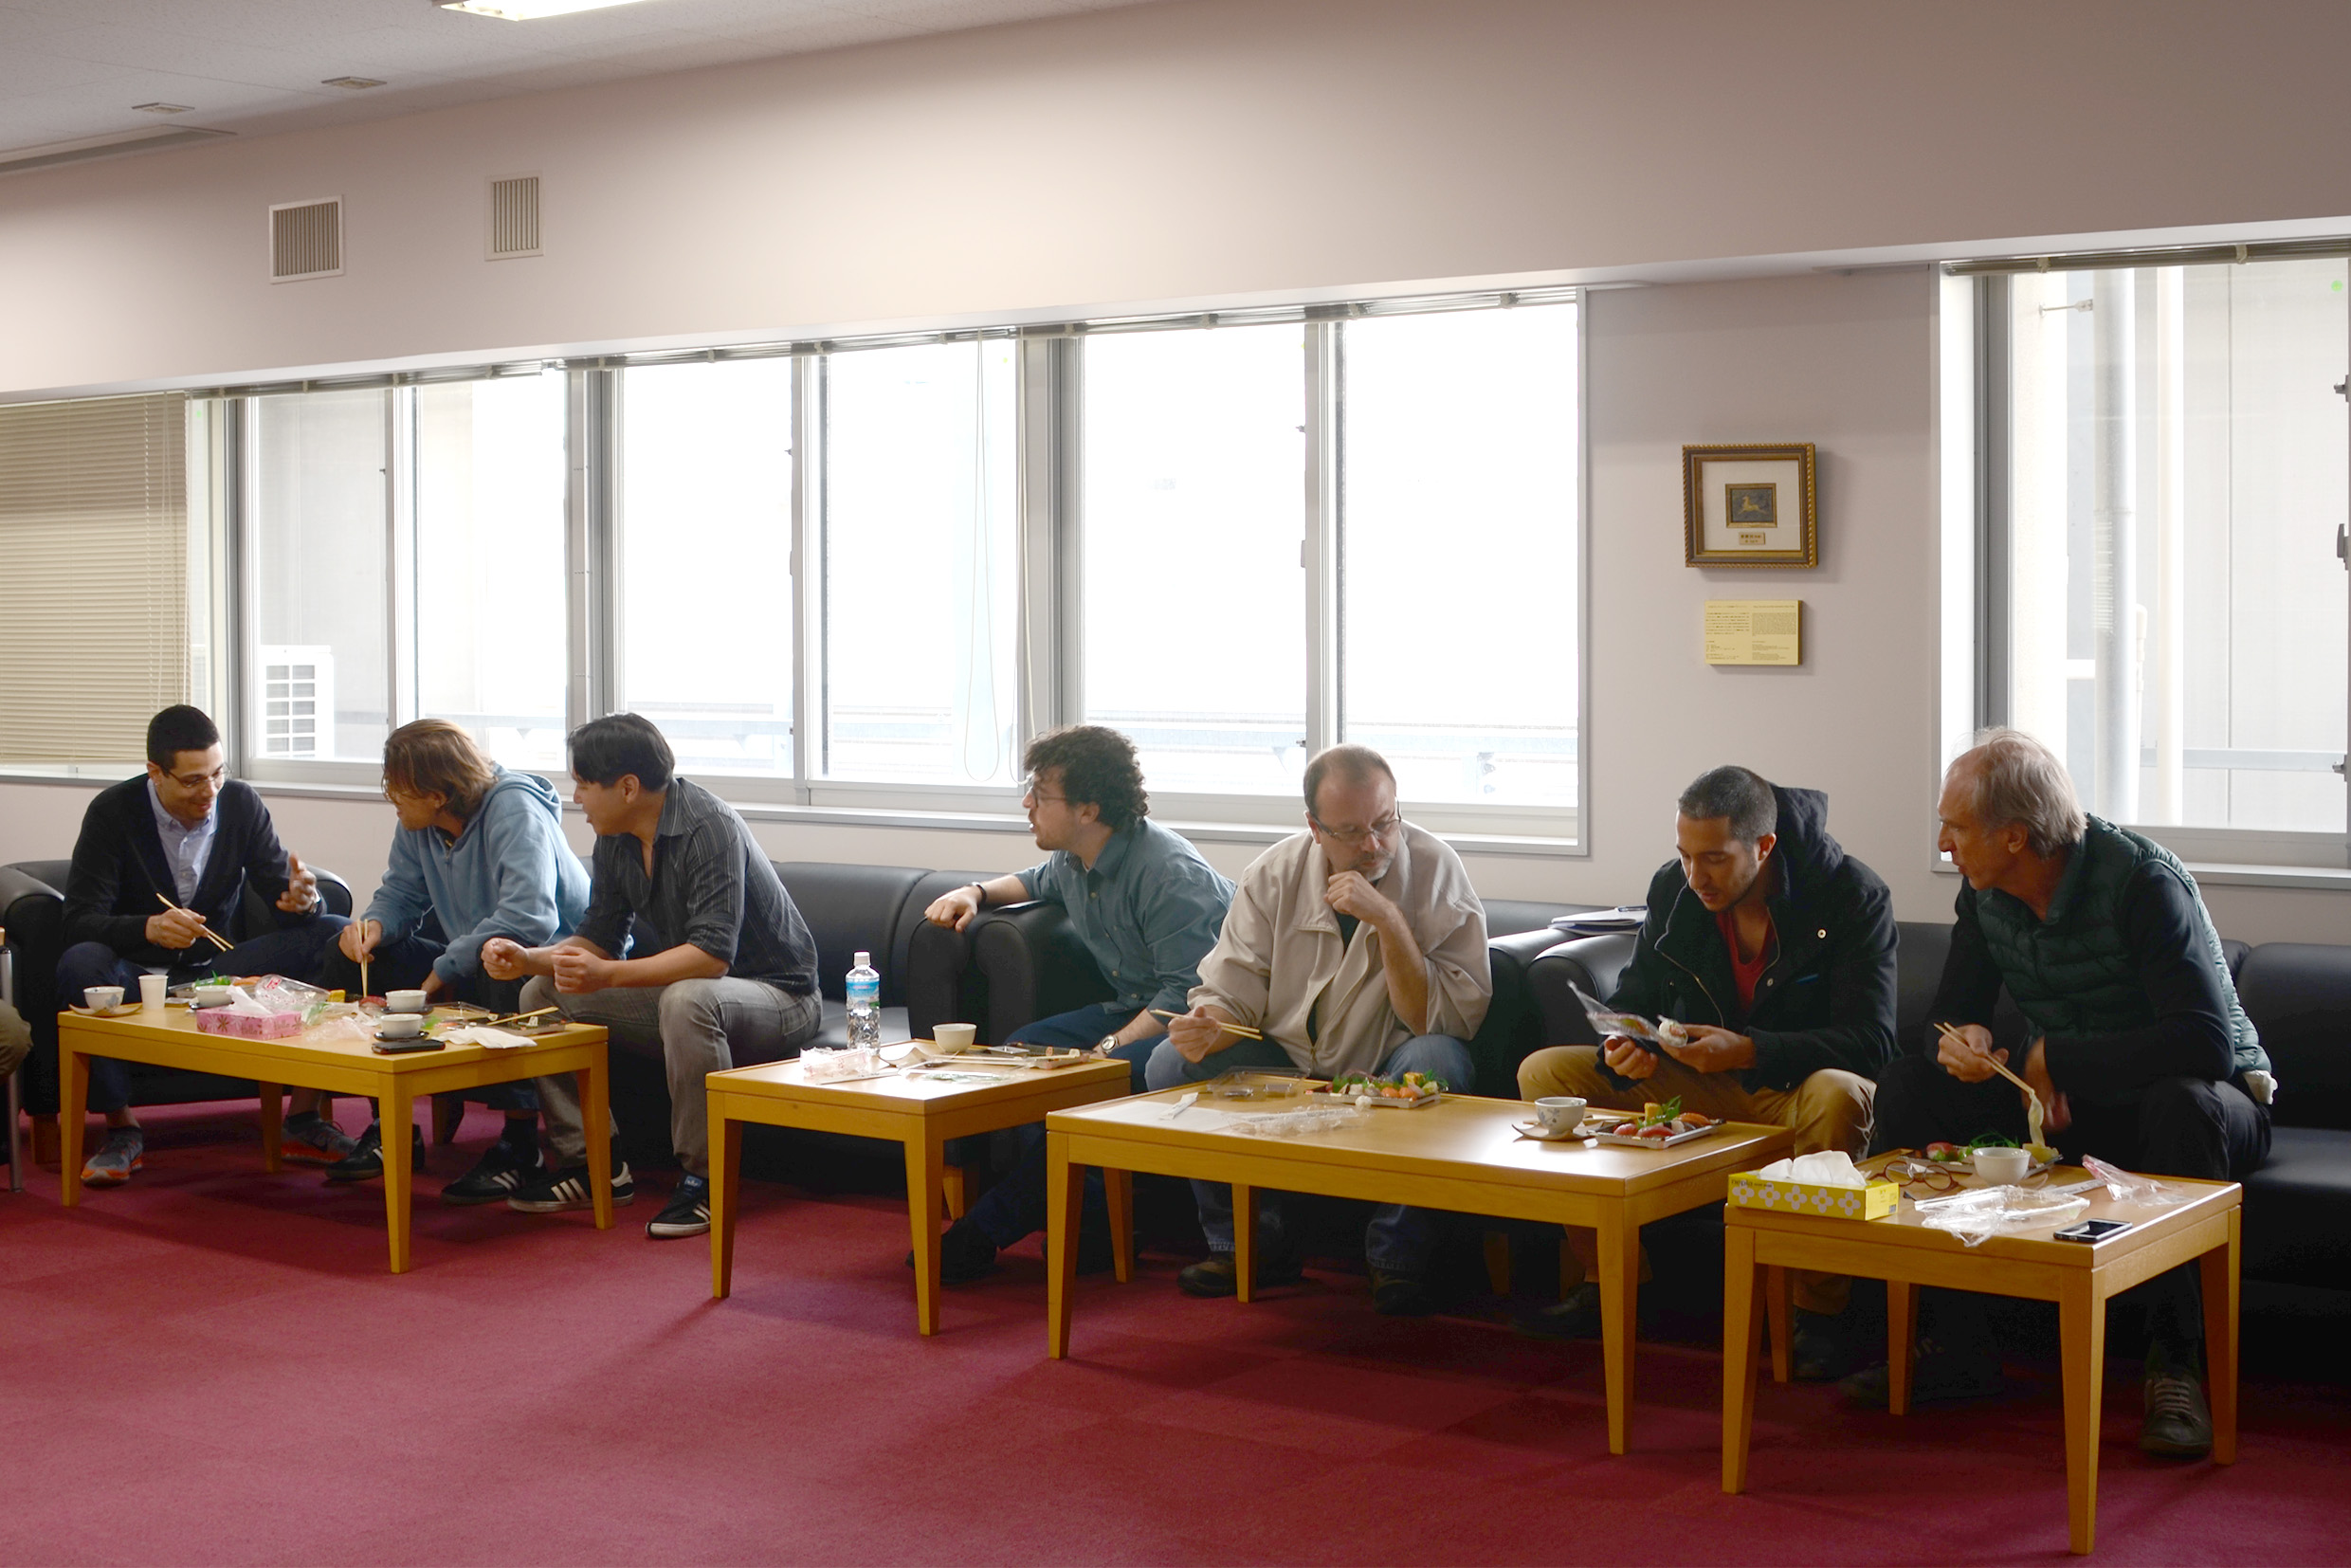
point(187, 848)
point(1148, 911)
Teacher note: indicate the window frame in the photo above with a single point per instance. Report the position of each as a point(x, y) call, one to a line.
point(1049, 677)
point(1973, 386)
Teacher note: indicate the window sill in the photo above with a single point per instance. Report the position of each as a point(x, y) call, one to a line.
point(2328, 879)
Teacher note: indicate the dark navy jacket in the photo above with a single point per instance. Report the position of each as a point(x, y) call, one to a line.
point(119, 867)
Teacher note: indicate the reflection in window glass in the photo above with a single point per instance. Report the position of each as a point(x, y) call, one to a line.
point(1458, 517)
point(921, 564)
point(490, 621)
point(317, 682)
point(706, 588)
point(1193, 498)
point(2178, 460)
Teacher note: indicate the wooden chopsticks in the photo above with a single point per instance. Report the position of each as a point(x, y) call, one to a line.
point(1948, 1032)
point(1242, 1030)
point(205, 931)
point(518, 1017)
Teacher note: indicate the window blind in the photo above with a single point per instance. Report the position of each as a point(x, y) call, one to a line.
point(92, 576)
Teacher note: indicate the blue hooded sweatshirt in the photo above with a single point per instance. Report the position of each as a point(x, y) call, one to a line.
point(509, 874)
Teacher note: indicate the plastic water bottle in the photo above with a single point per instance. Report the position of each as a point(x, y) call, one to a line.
point(864, 993)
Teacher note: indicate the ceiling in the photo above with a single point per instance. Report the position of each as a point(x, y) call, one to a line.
point(71, 70)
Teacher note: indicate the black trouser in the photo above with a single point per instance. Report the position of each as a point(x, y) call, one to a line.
point(402, 963)
point(2175, 1126)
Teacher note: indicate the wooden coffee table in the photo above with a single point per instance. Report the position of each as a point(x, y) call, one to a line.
point(1761, 1246)
point(1460, 1154)
point(921, 1112)
point(171, 1039)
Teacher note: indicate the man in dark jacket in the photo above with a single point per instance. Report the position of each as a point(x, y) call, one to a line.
point(1774, 950)
point(2141, 1053)
point(162, 863)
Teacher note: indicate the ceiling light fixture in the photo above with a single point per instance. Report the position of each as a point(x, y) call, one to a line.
point(162, 108)
point(353, 82)
point(528, 11)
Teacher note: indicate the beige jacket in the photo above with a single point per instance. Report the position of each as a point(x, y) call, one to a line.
point(1279, 954)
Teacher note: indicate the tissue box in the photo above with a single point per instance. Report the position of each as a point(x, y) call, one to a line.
point(1751, 1189)
point(276, 1026)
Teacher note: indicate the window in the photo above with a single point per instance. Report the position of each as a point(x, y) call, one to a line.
point(2171, 605)
point(490, 616)
point(864, 574)
point(1461, 427)
point(1195, 593)
point(705, 577)
point(921, 565)
point(319, 683)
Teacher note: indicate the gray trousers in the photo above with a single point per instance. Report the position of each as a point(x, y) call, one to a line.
point(694, 1027)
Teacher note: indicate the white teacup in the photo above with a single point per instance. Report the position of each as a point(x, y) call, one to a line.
point(99, 997)
point(2002, 1167)
point(404, 1001)
point(400, 1026)
point(954, 1039)
point(1559, 1113)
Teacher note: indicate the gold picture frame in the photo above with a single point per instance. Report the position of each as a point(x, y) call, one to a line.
point(1750, 505)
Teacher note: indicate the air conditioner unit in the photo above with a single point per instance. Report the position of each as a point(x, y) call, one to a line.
point(297, 700)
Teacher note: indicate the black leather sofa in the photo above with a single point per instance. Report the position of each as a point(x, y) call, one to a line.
point(2297, 1205)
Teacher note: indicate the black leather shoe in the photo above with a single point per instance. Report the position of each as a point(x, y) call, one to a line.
point(2177, 1424)
point(964, 1254)
point(1937, 1376)
point(1577, 1317)
point(1217, 1275)
point(1818, 1352)
point(366, 1161)
point(1401, 1295)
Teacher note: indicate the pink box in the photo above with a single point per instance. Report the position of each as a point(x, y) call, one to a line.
point(277, 1026)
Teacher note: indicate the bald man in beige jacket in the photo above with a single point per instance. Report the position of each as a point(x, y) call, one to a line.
point(1356, 946)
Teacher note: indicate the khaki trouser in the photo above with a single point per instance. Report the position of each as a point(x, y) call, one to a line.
point(1828, 1110)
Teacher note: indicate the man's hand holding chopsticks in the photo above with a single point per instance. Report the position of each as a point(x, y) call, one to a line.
point(1965, 1051)
point(1200, 1034)
point(175, 929)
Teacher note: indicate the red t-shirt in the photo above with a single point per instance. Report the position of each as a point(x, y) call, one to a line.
point(1747, 973)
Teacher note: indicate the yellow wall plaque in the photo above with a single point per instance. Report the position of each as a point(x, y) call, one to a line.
point(1755, 631)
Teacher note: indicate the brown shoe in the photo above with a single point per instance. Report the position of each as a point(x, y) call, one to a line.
point(45, 1147)
point(1217, 1275)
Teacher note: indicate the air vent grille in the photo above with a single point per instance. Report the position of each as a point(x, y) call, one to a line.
point(305, 239)
point(513, 217)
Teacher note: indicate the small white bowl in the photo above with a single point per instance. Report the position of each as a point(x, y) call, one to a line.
point(212, 996)
point(400, 1026)
point(404, 1001)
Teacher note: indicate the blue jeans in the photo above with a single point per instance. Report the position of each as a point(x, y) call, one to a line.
point(1014, 1207)
point(404, 963)
point(1398, 1240)
point(295, 953)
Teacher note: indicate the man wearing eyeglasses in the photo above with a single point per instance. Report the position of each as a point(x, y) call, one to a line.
point(1146, 905)
point(186, 836)
point(1356, 946)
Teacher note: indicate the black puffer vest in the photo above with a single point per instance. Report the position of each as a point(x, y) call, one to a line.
point(2072, 974)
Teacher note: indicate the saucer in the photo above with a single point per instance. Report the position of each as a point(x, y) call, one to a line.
point(1545, 1135)
point(118, 1010)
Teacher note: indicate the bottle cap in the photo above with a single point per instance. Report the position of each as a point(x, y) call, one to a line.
point(863, 959)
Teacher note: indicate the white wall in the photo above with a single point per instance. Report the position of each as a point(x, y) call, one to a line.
point(1221, 148)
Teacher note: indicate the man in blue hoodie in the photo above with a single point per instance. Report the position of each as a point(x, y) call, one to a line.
point(480, 853)
point(1775, 951)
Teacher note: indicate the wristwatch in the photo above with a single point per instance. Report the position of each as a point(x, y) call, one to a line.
point(1104, 1045)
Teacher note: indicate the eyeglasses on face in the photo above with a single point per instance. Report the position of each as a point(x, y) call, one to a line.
point(1383, 829)
point(1031, 790)
point(196, 781)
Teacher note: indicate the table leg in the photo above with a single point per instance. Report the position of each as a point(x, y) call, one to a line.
point(2081, 1337)
point(1118, 1193)
point(2218, 1269)
point(1742, 1292)
point(1064, 1186)
point(1244, 1240)
point(595, 1088)
point(1779, 1309)
point(273, 1127)
point(1620, 1284)
point(399, 1117)
point(73, 1084)
point(924, 1156)
point(726, 1175)
point(1901, 1342)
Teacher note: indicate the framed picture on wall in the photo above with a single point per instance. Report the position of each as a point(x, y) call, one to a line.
point(1753, 505)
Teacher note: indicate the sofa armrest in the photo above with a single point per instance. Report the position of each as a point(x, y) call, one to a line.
point(1033, 965)
point(943, 985)
point(1594, 963)
point(1512, 1027)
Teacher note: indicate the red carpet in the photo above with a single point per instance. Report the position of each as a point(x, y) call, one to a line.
point(210, 1365)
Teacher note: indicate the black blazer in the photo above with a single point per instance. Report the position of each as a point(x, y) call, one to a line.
point(119, 867)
